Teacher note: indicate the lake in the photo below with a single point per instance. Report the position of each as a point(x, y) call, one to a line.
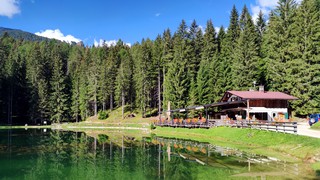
point(51, 154)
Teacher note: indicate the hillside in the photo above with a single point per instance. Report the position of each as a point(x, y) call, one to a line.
point(19, 34)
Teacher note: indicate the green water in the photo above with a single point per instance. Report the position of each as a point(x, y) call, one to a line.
point(48, 154)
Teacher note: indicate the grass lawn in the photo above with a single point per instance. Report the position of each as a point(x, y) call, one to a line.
point(316, 126)
point(114, 120)
point(284, 146)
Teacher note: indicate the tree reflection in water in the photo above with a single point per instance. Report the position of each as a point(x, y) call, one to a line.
point(75, 155)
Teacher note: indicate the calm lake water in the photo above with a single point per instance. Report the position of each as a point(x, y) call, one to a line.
point(48, 154)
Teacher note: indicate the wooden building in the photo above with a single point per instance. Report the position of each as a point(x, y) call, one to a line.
point(260, 105)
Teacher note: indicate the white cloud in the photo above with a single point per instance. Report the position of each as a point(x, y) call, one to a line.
point(267, 3)
point(102, 42)
point(265, 6)
point(256, 10)
point(158, 14)
point(9, 8)
point(201, 28)
point(217, 29)
point(57, 34)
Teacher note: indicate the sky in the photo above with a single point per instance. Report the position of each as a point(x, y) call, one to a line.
point(106, 21)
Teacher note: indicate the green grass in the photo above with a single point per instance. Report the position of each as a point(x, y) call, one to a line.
point(316, 126)
point(114, 120)
point(284, 146)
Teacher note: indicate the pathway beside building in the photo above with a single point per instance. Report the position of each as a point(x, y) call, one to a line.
point(304, 130)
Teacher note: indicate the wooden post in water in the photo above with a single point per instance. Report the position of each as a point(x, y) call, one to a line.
point(110, 149)
point(122, 150)
point(159, 160)
point(169, 152)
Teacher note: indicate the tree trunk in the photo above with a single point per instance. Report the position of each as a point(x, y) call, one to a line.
point(111, 102)
point(163, 86)
point(159, 93)
point(95, 99)
point(122, 100)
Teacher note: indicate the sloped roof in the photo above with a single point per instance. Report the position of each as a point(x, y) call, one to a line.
point(262, 95)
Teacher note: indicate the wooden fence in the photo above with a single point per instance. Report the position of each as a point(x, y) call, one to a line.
point(286, 127)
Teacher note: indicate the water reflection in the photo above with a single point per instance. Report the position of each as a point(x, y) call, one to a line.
point(38, 154)
point(223, 161)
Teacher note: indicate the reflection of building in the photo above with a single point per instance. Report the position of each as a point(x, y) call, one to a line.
point(260, 105)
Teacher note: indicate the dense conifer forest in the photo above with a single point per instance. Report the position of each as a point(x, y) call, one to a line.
point(51, 80)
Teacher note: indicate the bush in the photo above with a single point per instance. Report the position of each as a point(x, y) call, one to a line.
point(152, 126)
point(103, 115)
point(102, 138)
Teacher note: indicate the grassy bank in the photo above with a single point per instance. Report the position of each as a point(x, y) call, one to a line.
point(284, 146)
point(316, 126)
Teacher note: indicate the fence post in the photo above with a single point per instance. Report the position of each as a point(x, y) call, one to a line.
point(295, 130)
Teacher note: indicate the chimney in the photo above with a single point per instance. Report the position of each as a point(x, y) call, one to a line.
point(261, 88)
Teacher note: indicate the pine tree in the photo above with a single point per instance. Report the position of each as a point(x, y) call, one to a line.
point(220, 37)
point(206, 77)
point(196, 43)
point(59, 94)
point(93, 77)
point(34, 69)
point(203, 83)
point(167, 58)
point(74, 69)
point(228, 45)
point(157, 53)
point(246, 54)
point(304, 65)
point(260, 29)
point(123, 79)
point(103, 94)
point(176, 80)
point(145, 75)
point(276, 46)
point(220, 70)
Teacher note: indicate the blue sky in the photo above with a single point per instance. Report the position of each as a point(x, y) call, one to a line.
point(96, 20)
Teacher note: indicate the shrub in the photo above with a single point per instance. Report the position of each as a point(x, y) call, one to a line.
point(152, 126)
point(102, 138)
point(103, 115)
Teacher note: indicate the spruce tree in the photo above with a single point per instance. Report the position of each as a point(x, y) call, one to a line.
point(246, 54)
point(260, 29)
point(206, 77)
point(157, 53)
point(167, 58)
point(141, 56)
point(228, 45)
point(123, 79)
point(304, 65)
point(74, 69)
point(220, 37)
point(59, 95)
point(276, 46)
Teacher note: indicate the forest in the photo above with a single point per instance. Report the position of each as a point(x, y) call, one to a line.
point(56, 81)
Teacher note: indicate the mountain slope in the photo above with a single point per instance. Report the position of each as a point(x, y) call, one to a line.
point(19, 34)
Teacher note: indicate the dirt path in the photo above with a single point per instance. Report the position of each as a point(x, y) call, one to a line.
point(304, 130)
